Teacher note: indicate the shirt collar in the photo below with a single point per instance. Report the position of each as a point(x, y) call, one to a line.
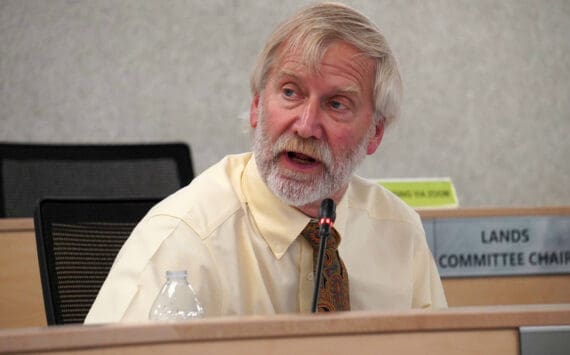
point(279, 223)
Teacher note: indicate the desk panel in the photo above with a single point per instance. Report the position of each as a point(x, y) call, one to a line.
point(495, 342)
point(21, 299)
point(505, 290)
point(471, 330)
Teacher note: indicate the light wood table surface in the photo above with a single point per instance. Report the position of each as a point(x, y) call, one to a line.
point(475, 330)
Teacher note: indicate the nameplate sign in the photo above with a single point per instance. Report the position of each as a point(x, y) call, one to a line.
point(423, 193)
point(488, 246)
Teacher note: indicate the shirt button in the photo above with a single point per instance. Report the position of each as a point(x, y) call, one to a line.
point(310, 276)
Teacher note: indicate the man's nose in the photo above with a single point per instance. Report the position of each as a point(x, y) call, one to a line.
point(308, 124)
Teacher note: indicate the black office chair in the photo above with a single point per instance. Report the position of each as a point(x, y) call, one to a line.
point(77, 242)
point(30, 172)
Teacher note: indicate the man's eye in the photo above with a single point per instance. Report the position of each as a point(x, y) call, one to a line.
point(288, 92)
point(337, 105)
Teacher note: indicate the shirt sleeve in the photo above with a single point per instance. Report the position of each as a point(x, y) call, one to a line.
point(428, 289)
point(159, 243)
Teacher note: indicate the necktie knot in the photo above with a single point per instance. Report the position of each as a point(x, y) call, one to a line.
point(311, 234)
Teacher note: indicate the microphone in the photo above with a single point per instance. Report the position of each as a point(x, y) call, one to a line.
point(327, 217)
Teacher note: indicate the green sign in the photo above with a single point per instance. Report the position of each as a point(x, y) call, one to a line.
point(423, 193)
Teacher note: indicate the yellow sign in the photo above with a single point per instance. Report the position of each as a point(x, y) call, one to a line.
point(423, 193)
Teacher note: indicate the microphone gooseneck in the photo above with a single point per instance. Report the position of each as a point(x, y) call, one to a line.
point(327, 216)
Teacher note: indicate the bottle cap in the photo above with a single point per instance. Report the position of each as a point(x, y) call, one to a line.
point(176, 274)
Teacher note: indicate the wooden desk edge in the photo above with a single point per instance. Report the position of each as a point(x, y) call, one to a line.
point(16, 224)
point(279, 326)
point(495, 212)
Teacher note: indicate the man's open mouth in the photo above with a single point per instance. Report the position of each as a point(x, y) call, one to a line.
point(301, 158)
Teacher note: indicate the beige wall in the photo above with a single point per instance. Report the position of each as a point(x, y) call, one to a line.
point(487, 84)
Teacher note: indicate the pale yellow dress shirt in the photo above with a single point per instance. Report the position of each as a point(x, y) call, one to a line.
point(240, 245)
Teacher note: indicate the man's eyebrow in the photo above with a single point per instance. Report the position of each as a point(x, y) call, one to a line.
point(350, 90)
point(287, 73)
point(284, 73)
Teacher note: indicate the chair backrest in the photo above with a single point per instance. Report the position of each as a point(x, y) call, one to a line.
point(30, 172)
point(77, 242)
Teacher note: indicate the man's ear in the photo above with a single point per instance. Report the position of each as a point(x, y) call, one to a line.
point(254, 111)
point(375, 140)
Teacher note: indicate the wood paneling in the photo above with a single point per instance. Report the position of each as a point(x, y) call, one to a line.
point(505, 290)
point(472, 330)
point(21, 300)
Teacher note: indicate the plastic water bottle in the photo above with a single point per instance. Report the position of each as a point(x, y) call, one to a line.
point(176, 301)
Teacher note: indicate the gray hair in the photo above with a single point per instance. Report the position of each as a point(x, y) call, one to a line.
point(313, 29)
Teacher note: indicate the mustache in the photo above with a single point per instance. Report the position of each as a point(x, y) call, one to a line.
point(318, 150)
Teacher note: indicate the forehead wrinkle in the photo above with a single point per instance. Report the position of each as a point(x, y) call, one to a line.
point(285, 72)
point(359, 67)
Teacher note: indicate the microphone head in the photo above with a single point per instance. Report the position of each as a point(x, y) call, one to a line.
point(328, 209)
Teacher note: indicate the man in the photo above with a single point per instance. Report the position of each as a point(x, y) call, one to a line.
point(324, 87)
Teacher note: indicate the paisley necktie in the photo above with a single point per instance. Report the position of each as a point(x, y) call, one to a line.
point(333, 291)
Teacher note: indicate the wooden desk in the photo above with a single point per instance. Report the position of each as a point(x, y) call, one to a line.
point(21, 299)
point(484, 330)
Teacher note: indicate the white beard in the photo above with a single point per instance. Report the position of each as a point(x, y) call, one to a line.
point(296, 188)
